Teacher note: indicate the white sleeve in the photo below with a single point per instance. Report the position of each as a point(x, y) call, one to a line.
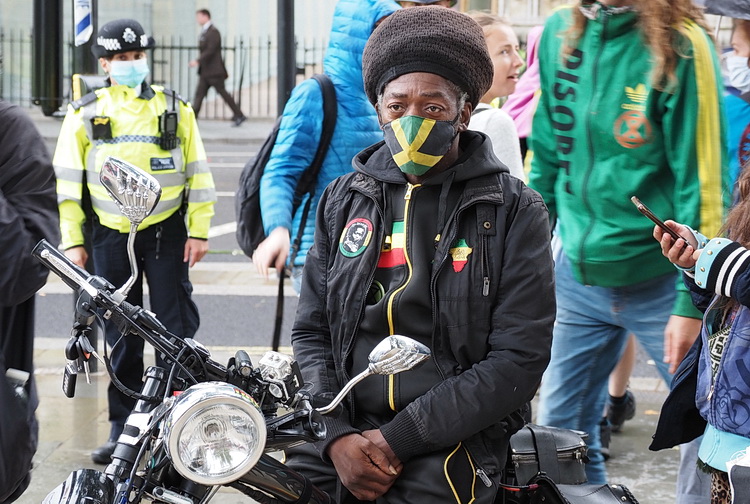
point(501, 130)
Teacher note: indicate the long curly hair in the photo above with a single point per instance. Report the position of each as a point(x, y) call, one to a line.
point(737, 224)
point(737, 228)
point(659, 21)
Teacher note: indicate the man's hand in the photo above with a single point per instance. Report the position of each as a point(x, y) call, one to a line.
point(679, 336)
point(78, 255)
point(376, 437)
point(193, 63)
point(272, 251)
point(362, 467)
point(194, 250)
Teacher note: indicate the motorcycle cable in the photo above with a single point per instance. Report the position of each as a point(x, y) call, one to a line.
point(174, 361)
point(173, 373)
point(141, 452)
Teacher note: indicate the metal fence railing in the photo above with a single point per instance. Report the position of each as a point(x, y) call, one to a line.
point(251, 64)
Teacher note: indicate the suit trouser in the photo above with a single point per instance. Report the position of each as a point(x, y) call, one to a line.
point(160, 258)
point(218, 84)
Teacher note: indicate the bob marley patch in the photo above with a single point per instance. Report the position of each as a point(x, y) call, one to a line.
point(355, 237)
point(460, 252)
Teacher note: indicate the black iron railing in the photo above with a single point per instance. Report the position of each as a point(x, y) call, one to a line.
point(250, 62)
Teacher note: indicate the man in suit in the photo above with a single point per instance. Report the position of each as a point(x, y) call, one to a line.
point(211, 69)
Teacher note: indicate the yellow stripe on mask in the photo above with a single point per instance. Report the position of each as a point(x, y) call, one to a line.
point(410, 152)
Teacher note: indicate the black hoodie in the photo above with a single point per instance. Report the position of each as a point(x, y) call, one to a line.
point(479, 292)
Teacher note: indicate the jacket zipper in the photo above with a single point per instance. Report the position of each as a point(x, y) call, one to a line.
point(483, 476)
point(391, 323)
point(587, 176)
point(439, 266)
point(485, 268)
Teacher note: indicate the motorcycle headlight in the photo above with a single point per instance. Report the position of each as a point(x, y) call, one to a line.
point(215, 433)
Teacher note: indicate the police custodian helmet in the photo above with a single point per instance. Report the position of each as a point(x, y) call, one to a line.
point(121, 35)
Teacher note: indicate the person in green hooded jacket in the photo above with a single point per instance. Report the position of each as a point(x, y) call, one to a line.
point(631, 105)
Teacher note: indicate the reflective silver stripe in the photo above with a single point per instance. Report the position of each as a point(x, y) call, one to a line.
point(165, 205)
point(89, 111)
point(68, 174)
point(61, 198)
point(169, 179)
point(109, 207)
point(90, 163)
point(179, 163)
point(202, 195)
point(200, 166)
point(105, 205)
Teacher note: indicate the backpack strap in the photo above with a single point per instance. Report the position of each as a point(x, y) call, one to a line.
point(306, 185)
point(309, 178)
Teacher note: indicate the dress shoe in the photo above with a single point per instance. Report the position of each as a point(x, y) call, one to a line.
point(103, 454)
point(239, 120)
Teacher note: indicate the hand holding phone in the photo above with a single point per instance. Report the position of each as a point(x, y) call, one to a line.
point(648, 213)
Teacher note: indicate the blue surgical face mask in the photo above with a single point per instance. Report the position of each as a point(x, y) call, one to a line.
point(739, 72)
point(130, 73)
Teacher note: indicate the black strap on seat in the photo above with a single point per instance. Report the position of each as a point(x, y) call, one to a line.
point(546, 452)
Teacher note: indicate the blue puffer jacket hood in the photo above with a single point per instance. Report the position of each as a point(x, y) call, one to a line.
point(353, 22)
point(299, 134)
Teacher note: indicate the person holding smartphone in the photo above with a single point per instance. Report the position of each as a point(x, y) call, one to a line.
point(717, 272)
point(631, 104)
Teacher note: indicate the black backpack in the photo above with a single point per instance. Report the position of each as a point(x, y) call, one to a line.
point(247, 200)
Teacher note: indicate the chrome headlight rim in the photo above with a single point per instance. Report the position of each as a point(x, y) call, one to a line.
point(198, 400)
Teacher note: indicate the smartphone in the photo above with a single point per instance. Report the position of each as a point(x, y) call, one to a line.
point(648, 213)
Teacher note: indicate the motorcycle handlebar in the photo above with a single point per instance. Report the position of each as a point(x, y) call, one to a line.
point(73, 275)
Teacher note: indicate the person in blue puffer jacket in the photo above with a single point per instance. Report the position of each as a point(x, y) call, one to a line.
point(301, 126)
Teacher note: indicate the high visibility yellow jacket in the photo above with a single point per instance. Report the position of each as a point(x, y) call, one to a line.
point(132, 121)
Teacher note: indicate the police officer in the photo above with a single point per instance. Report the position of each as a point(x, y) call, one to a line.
point(154, 129)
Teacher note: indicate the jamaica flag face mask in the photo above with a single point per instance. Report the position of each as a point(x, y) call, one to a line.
point(417, 143)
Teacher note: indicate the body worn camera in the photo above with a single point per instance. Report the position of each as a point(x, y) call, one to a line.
point(168, 130)
point(101, 128)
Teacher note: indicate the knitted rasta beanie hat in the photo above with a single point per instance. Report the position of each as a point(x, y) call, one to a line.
point(428, 39)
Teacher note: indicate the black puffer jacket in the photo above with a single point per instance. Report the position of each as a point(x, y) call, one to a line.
point(492, 324)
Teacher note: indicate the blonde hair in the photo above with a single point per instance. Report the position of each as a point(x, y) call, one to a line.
point(658, 20)
point(488, 20)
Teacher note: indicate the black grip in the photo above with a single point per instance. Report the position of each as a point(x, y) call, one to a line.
point(73, 275)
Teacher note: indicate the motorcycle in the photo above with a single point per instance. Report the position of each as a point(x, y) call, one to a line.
point(197, 425)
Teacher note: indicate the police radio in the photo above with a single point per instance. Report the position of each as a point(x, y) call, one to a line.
point(168, 128)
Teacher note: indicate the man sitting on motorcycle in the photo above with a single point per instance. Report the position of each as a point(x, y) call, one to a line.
point(455, 253)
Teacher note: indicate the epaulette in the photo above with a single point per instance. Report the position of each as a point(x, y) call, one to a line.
point(172, 92)
point(84, 100)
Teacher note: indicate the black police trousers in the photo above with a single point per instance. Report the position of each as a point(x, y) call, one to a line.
point(159, 251)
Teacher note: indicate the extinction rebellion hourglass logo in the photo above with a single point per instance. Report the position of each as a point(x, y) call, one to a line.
point(632, 129)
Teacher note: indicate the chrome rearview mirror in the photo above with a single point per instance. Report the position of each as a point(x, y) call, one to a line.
point(136, 194)
point(392, 355)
